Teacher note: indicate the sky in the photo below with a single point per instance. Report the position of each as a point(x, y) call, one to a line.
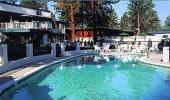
point(161, 6)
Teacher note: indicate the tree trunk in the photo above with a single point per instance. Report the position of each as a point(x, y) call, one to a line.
point(93, 22)
point(138, 24)
point(72, 23)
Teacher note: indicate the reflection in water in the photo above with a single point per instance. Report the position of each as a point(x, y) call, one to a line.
point(79, 67)
point(106, 59)
point(166, 76)
point(107, 79)
point(133, 65)
point(98, 66)
point(61, 66)
point(96, 59)
point(102, 59)
point(77, 61)
point(116, 66)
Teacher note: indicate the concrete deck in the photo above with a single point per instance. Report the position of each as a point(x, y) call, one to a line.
point(155, 59)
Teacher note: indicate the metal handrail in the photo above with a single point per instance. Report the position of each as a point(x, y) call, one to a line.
point(21, 25)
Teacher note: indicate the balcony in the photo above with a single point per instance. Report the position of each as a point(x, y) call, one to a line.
point(24, 26)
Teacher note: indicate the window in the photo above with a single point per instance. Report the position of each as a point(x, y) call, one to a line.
point(39, 12)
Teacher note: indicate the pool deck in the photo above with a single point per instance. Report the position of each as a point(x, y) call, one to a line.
point(155, 59)
point(13, 77)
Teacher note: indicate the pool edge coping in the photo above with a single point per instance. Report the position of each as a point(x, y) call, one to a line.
point(142, 60)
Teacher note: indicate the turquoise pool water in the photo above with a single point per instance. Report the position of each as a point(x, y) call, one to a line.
point(94, 78)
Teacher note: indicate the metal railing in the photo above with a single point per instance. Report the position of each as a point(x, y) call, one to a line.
point(16, 51)
point(70, 46)
point(42, 50)
point(23, 25)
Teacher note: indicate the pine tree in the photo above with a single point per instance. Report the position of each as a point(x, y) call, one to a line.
point(101, 15)
point(113, 23)
point(69, 9)
point(143, 16)
point(124, 22)
point(35, 4)
point(167, 23)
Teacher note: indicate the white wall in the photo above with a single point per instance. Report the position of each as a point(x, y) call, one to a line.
point(155, 40)
point(160, 35)
point(139, 38)
point(24, 61)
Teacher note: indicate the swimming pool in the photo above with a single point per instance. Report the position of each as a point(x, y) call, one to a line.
point(94, 78)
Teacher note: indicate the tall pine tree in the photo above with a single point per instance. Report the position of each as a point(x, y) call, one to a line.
point(143, 16)
point(35, 4)
point(167, 23)
point(124, 22)
point(101, 15)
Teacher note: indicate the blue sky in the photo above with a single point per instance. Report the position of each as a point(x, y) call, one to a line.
point(161, 6)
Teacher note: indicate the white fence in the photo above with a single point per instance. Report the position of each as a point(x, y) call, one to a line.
point(138, 38)
point(5, 65)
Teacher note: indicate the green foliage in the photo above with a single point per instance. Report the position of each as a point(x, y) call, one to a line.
point(134, 42)
point(35, 4)
point(148, 17)
point(167, 23)
point(124, 22)
point(102, 15)
point(112, 20)
point(11, 1)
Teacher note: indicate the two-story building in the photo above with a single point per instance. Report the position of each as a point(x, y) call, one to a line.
point(22, 24)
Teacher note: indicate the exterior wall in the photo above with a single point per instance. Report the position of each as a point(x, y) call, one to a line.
point(24, 61)
point(30, 58)
point(143, 39)
point(22, 10)
point(160, 35)
point(138, 38)
point(4, 67)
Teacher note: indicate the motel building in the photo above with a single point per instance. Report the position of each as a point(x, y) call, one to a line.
point(23, 29)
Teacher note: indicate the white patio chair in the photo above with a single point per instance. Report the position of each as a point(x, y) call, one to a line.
point(106, 48)
point(143, 48)
point(125, 48)
point(96, 48)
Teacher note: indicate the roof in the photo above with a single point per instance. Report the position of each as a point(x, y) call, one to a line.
point(104, 30)
point(159, 32)
point(12, 8)
point(5, 2)
point(58, 21)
